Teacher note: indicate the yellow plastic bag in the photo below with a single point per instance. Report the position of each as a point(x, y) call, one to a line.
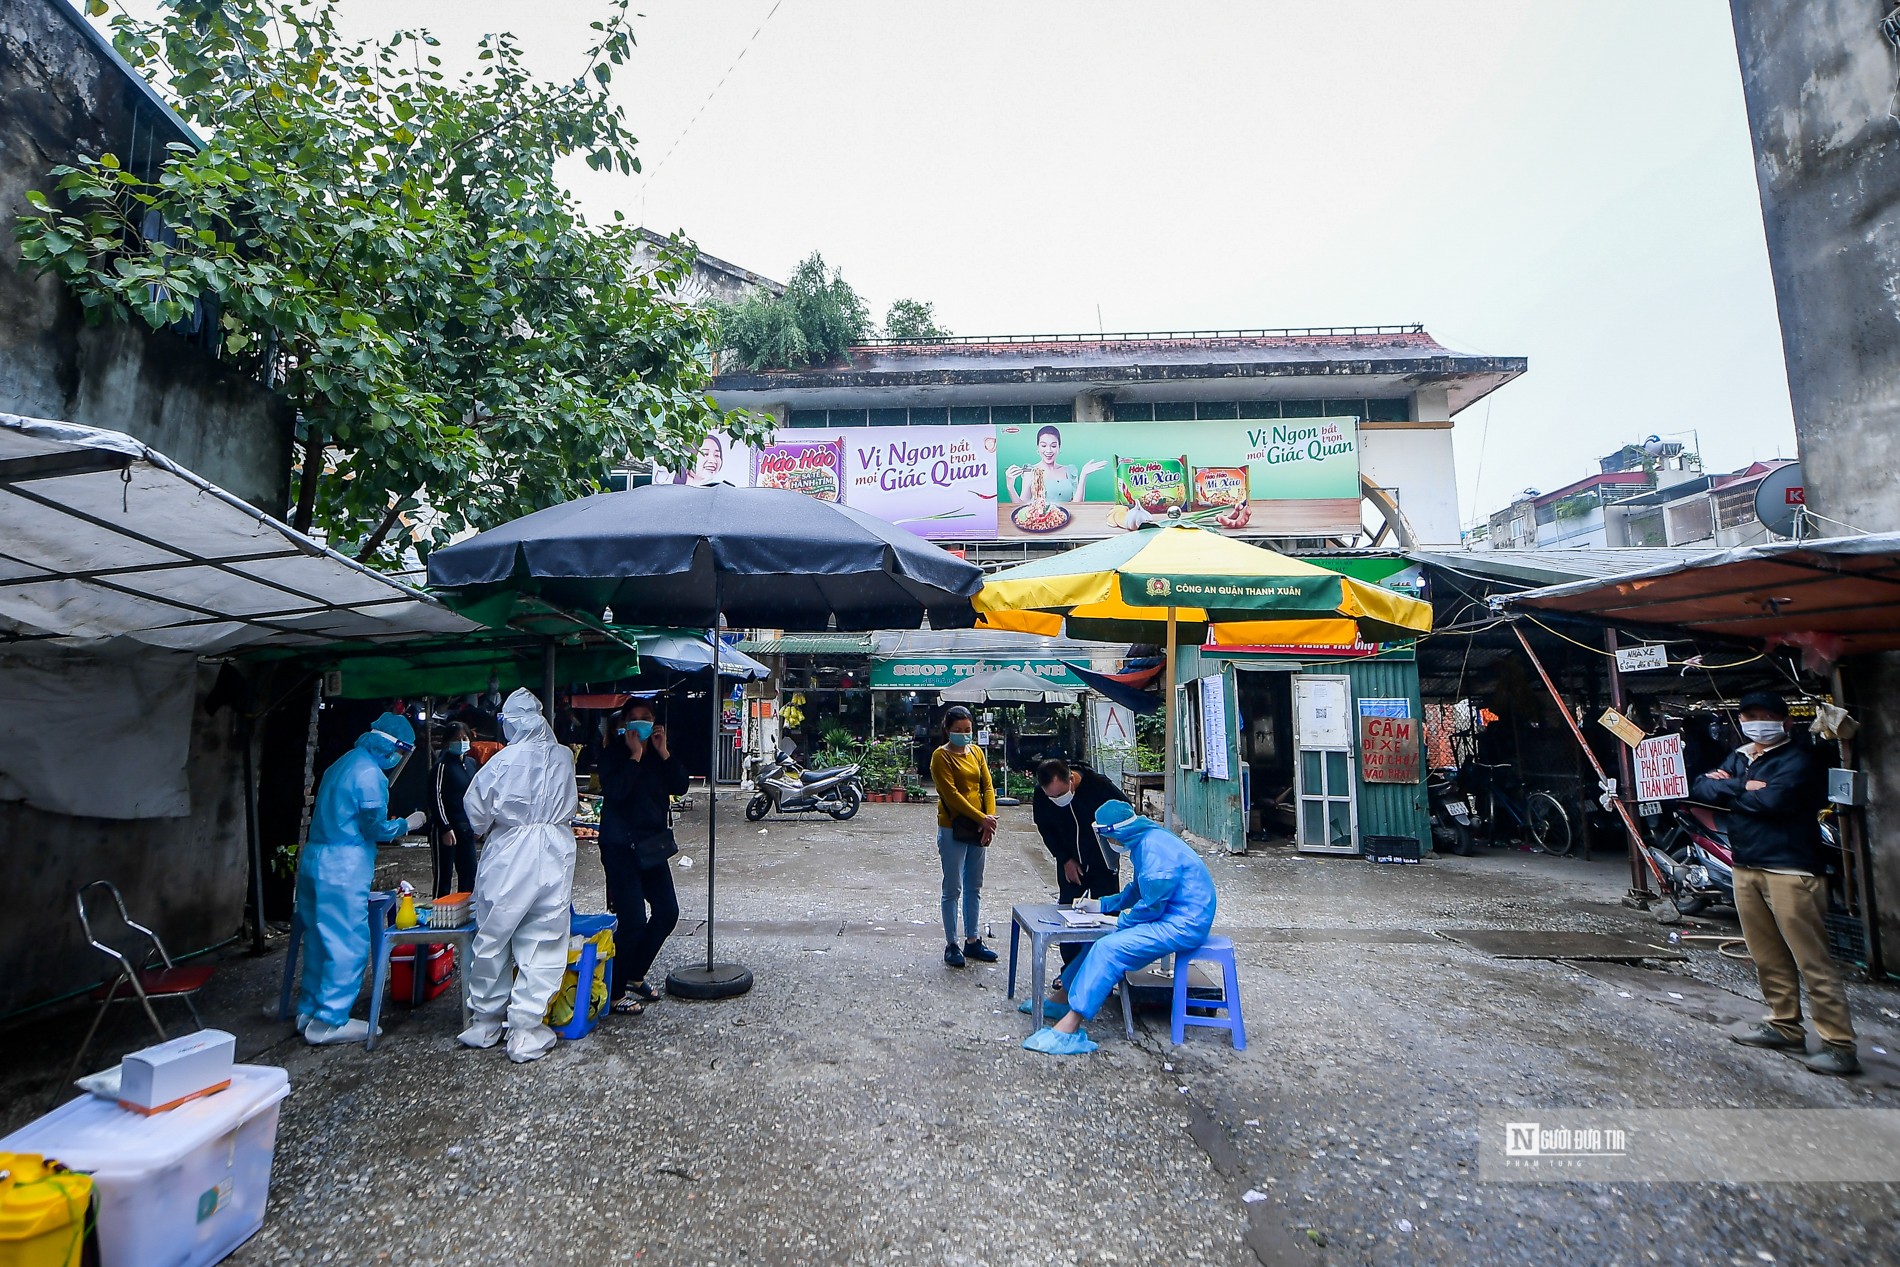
point(561, 1008)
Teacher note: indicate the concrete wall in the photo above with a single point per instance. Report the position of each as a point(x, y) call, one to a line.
point(184, 877)
point(61, 96)
point(1819, 78)
point(1416, 464)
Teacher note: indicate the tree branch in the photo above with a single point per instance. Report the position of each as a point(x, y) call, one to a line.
point(374, 541)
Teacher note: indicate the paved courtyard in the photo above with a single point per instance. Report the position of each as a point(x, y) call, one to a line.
point(866, 1104)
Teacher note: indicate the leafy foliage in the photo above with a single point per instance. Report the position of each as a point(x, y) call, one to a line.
point(886, 762)
point(913, 319)
point(816, 320)
point(393, 247)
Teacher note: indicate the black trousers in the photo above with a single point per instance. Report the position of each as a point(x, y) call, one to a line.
point(1095, 883)
point(648, 910)
point(455, 864)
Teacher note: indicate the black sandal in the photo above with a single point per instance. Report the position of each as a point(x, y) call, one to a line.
point(628, 1007)
point(645, 991)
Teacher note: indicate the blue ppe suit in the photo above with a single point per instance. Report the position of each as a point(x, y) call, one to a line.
point(336, 867)
point(1168, 907)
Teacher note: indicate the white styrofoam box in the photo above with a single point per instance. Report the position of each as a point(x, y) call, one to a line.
point(181, 1188)
point(176, 1070)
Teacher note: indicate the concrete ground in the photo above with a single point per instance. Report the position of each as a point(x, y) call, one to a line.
point(866, 1104)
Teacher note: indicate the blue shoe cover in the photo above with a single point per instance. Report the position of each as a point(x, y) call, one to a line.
point(1051, 1010)
point(1052, 1042)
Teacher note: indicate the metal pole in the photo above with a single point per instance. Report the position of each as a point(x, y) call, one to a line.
point(547, 679)
point(1625, 768)
point(1170, 727)
point(246, 733)
point(712, 778)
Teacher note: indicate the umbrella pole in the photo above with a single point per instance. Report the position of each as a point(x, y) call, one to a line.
point(713, 980)
point(1170, 737)
point(712, 789)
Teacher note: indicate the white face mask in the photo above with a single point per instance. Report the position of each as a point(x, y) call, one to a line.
point(1062, 802)
point(1765, 731)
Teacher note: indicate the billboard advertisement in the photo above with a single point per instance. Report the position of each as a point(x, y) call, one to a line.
point(1278, 476)
point(1074, 481)
point(938, 482)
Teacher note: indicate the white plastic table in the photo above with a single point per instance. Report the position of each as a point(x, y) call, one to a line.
point(1043, 922)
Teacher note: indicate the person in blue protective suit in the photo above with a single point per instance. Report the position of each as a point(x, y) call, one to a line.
point(1167, 907)
point(333, 877)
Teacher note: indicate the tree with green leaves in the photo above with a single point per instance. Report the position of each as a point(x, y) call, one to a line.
point(814, 322)
point(913, 319)
point(393, 247)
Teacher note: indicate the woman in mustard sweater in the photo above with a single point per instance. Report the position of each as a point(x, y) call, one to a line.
point(966, 823)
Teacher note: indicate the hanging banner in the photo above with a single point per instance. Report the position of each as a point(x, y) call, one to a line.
point(1259, 476)
point(1622, 727)
point(938, 482)
point(1643, 658)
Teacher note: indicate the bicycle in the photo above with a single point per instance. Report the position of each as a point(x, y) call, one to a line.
point(1507, 809)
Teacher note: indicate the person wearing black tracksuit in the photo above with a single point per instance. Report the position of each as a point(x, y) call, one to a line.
point(638, 776)
point(455, 839)
point(1064, 811)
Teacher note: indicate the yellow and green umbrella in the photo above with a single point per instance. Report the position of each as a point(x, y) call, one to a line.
point(1119, 589)
point(1178, 580)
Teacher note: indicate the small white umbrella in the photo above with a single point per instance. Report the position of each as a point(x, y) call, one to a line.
point(1009, 686)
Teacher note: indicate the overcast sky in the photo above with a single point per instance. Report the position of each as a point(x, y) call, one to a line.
point(1567, 182)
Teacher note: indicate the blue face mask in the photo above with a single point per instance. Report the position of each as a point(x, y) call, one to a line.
point(958, 739)
point(459, 747)
point(642, 730)
point(391, 761)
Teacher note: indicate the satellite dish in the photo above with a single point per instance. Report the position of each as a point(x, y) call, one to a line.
point(1780, 498)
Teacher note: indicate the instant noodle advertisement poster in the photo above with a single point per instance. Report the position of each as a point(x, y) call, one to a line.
point(938, 482)
point(1253, 476)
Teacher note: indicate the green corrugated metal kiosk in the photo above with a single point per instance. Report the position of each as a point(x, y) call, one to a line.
point(1273, 739)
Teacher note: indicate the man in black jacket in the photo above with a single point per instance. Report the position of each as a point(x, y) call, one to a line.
point(1773, 789)
point(638, 777)
point(1064, 811)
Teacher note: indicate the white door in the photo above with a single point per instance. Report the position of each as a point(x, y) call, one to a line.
point(1323, 774)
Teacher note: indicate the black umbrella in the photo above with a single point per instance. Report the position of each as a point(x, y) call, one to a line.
point(673, 554)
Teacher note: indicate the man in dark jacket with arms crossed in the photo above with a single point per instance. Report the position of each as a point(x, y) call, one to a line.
point(1773, 790)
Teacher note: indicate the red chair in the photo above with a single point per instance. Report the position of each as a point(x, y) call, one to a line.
point(145, 983)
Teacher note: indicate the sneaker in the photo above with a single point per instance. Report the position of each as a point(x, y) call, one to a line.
point(1835, 1061)
point(974, 948)
point(1762, 1034)
point(953, 956)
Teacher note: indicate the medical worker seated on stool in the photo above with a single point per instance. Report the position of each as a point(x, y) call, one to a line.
point(523, 802)
point(1167, 907)
point(334, 871)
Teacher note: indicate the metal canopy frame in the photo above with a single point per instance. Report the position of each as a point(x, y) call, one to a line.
point(102, 537)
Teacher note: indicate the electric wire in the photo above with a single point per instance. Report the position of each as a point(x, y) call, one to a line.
point(654, 174)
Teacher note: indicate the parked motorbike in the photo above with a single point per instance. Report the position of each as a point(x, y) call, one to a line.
point(1451, 815)
point(1693, 851)
point(789, 788)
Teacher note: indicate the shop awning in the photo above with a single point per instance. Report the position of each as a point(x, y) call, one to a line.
point(103, 538)
point(1837, 596)
point(813, 644)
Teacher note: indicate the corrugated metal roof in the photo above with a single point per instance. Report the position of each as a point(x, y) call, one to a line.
point(813, 644)
point(1558, 567)
point(983, 642)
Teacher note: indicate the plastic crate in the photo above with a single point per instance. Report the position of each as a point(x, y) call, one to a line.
point(1391, 849)
point(1846, 939)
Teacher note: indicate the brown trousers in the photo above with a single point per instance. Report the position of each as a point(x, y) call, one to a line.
point(1781, 919)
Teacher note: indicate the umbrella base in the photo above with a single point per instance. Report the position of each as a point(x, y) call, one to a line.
point(715, 981)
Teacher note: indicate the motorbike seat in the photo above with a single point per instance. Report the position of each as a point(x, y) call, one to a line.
point(813, 776)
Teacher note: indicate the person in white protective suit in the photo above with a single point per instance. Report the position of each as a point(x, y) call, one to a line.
point(523, 801)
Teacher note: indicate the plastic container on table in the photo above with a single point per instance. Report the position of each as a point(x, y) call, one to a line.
point(42, 1213)
point(181, 1188)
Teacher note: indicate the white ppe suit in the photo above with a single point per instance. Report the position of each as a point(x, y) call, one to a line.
point(523, 801)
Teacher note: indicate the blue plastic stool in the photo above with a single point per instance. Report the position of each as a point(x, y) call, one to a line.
point(586, 969)
point(382, 907)
point(1218, 950)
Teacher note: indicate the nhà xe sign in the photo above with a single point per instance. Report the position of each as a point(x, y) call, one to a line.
point(1637, 659)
